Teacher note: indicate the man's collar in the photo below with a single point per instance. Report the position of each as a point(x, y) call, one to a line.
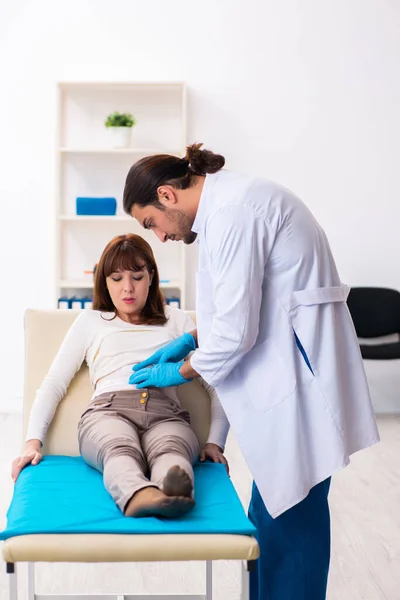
point(204, 201)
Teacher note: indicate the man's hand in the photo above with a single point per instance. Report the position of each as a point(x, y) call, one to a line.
point(159, 376)
point(30, 455)
point(215, 454)
point(175, 351)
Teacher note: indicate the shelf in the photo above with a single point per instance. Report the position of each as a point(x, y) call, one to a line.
point(88, 165)
point(88, 284)
point(153, 86)
point(94, 218)
point(124, 151)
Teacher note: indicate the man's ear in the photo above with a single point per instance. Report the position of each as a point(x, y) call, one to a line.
point(166, 195)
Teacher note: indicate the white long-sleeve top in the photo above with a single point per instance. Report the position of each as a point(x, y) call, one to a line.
point(110, 347)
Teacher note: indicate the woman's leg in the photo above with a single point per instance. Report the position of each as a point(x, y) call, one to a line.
point(295, 548)
point(111, 445)
point(171, 448)
point(111, 440)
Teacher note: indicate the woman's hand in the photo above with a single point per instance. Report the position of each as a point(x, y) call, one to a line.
point(215, 454)
point(30, 456)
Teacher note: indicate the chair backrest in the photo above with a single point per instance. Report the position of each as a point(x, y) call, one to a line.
point(44, 333)
point(375, 311)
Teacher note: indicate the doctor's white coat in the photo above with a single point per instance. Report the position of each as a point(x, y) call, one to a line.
point(266, 272)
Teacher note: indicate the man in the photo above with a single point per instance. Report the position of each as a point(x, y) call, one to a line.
point(275, 338)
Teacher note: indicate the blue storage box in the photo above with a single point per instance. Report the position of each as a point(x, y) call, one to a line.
point(96, 206)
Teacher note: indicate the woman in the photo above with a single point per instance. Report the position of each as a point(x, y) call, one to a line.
point(125, 433)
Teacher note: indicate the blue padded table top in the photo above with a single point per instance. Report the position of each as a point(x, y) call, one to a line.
point(64, 495)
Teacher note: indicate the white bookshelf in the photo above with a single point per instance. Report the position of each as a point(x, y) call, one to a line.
point(87, 284)
point(88, 165)
point(129, 151)
point(95, 218)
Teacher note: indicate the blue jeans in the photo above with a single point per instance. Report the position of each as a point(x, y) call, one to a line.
point(295, 548)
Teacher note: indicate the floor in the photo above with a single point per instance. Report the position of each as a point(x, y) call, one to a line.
point(365, 503)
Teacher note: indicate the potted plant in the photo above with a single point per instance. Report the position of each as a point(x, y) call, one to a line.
point(120, 124)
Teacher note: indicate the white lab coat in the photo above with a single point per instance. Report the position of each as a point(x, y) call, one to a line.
point(265, 272)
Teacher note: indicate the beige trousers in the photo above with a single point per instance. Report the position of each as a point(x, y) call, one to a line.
point(133, 437)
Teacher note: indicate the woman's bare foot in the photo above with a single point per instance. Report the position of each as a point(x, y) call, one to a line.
point(151, 502)
point(177, 483)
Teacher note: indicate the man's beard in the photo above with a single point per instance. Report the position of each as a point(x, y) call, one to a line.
point(183, 225)
point(190, 238)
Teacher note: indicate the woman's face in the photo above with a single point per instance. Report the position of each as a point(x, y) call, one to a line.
point(129, 291)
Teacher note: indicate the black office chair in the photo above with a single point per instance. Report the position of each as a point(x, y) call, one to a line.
point(376, 313)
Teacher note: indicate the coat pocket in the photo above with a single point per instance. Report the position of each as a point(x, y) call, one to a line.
point(268, 379)
point(312, 315)
point(303, 353)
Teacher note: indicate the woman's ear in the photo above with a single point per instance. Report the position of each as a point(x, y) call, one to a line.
point(151, 275)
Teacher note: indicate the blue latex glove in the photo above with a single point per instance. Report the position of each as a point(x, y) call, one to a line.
point(159, 376)
point(172, 352)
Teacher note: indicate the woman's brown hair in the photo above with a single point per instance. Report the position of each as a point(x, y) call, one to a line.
point(147, 174)
point(129, 252)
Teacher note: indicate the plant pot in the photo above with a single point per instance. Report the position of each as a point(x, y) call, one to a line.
point(121, 136)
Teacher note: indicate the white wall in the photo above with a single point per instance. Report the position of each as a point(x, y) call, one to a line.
point(305, 92)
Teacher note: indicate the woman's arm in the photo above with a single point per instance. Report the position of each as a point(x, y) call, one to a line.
point(67, 362)
point(219, 427)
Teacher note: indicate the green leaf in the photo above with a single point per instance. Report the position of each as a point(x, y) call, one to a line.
point(117, 119)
